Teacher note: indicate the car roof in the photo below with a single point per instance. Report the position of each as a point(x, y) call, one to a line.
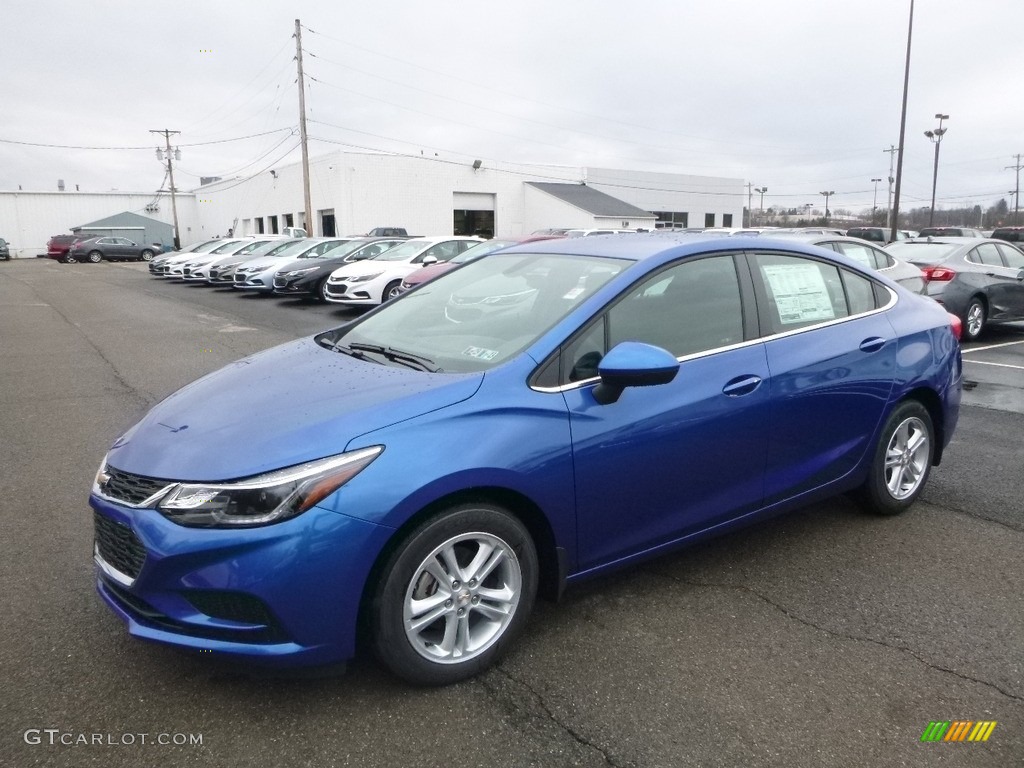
point(642, 246)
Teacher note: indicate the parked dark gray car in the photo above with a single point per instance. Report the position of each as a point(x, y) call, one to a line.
point(979, 280)
point(95, 249)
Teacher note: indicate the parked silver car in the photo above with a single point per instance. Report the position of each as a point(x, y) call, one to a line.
point(258, 274)
point(863, 252)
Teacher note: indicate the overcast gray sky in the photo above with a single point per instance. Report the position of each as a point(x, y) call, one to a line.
point(800, 96)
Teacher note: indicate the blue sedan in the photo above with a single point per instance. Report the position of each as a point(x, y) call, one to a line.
point(528, 420)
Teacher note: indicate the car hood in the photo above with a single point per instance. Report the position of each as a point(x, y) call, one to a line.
point(373, 267)
point(262, 263)
point(290, 404)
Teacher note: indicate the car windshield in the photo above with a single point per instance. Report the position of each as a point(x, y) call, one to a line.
point(922, 253)
point(476, 317)
point(225, 247)
point(344, 249)
point(293, 249)
point(404, 252)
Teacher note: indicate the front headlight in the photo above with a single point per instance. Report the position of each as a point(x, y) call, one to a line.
point(364, 278)
point(264, 499)
point(297, 272)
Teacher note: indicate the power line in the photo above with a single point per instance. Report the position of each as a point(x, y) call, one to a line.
point(148, 147)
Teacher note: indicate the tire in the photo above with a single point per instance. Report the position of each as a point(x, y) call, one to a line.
point(975, 319)
point(391, 290)
point(147, 255)
point(95, 257)
point(321, 291)
point(901, 461)
point(68, 258)
point(473, 621)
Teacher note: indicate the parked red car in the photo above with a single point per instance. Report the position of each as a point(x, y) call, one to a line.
point(432, 270)
point(59, 247)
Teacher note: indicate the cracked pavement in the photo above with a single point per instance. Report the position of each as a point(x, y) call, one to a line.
point(826, 637)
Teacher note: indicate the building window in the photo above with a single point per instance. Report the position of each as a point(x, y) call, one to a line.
point(672, 219)
point(246, 227)
point(327, 226)
point(288, 219)
point(259, 225)
point(726, 219)
point(709, 219)
point(480, 223)
point(272, 221)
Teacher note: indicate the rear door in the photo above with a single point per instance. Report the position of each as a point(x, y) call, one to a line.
point(831, 353)
point(999, 280)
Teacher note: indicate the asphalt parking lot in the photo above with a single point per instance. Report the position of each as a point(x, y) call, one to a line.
point(824, 638)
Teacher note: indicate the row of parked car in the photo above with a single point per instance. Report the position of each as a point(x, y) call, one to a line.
point(980, 280)
point(357, 271)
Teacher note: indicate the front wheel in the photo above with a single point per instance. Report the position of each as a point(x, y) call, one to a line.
point(974, 319)
point(902, 460)
point(321, 291)
point(392, 290)
point(454, 594)
point(95, 257)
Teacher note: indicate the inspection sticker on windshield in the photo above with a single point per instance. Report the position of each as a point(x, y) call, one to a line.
point(480, 353)
point(800, 293)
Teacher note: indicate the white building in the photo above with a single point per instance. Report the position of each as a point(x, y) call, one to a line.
point(352, 193)
point(29, 219)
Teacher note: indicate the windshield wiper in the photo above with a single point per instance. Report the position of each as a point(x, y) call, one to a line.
point(352, 351)
point(408, 359)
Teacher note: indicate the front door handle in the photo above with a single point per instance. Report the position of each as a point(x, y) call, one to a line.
point(741, 385)
point(873, 344)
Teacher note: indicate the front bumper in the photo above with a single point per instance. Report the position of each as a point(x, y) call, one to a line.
point(278, 595)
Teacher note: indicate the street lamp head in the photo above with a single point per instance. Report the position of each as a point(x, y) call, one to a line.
point(930, 134)
point(941, 116)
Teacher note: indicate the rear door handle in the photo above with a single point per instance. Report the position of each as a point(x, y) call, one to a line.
point(741, 385)
point(873, 344)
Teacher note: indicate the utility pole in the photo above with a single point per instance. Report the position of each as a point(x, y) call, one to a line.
point(302, 130)
point(750, 198)
point(1016, 193)
point(170, 174)
point(888, 205)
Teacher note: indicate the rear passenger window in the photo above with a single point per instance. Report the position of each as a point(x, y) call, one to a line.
point(1014, 258)
point(860, 292)
point(800, 292)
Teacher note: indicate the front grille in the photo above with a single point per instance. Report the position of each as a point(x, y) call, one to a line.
point(118, 545)
point(280, 282)
point(129, 488)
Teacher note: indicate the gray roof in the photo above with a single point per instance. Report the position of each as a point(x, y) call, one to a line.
point(125, 219)
point(590, 200)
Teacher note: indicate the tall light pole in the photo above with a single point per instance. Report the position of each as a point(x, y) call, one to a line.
point(874, 201)
point(808, 206)
point(827, 196)
point(760, 207)
point(894, 224)
point(1016, 191)
point(936, 138)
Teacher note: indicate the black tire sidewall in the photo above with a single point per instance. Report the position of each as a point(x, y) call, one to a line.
point(389, 641)
point(95, 257)
point(321, 291)
point(874, 493)
point(386, 296)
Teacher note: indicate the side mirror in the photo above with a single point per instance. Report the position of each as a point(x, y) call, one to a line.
point(428, 260)
point(633, 364)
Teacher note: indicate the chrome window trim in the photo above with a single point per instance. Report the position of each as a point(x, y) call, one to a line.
point(893, 297)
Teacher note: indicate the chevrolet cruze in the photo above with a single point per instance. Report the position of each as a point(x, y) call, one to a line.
point(531, 419)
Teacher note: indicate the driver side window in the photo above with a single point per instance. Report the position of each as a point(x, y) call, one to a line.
point(689, 308)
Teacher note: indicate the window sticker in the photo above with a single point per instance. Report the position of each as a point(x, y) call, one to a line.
point(480, 353)
point(800, 293)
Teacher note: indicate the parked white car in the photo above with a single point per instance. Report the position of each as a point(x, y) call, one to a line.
point(374, 281)
point(198, 269)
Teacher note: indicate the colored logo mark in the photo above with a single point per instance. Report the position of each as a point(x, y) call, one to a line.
point(958, 730)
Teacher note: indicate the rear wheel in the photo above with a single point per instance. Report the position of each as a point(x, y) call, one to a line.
point(902, 460)
point(95, 257)
point(454, 594)
point(975, 318)
point(147, 255)
point(68, 258)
